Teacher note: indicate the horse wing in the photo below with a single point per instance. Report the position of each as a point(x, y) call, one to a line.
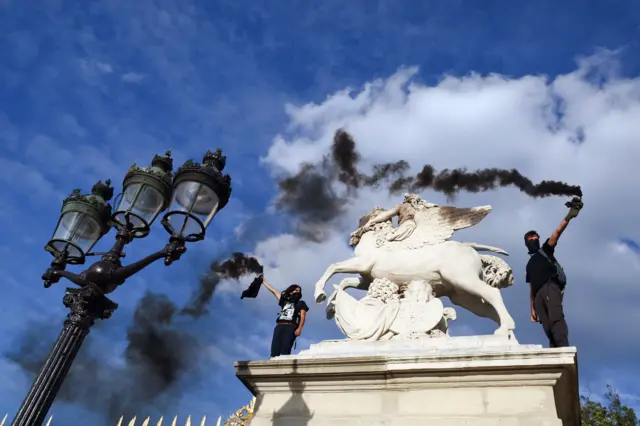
point(437, 224)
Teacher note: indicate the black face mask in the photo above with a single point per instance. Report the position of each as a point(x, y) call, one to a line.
point(295, 297)
point(532, 245)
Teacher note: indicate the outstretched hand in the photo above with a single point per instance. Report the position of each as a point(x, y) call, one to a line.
point(575, 206)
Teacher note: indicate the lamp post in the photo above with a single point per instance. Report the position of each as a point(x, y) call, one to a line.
point(194, 195)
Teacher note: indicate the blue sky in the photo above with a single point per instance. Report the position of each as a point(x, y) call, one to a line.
point(87, 88)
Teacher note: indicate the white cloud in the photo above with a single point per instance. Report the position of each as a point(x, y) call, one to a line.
point(621, 382)
point(104, 67)
point(243, 347)
point(625, 254)
point(90, 66)
point(83, 159)
point(132, 77)
point(71, 125)
point(572, 128)
point(21, 178)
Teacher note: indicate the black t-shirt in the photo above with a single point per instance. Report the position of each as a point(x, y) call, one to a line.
point(290, 312)
point(540, 270)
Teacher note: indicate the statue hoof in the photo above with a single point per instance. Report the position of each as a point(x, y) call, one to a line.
point(504, 331)
point(321, 297)
point(331, 312)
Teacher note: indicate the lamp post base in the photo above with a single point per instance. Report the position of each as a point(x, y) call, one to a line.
point(86, 304)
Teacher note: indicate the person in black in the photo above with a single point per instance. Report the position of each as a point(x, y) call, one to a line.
point(290, 320)
point(546, 287)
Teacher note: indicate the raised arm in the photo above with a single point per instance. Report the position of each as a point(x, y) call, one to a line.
point(386, 215)
point(271, 289)
point(553, 239)
point(575, 206)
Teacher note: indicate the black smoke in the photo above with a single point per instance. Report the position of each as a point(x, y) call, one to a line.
point(311, 197)
point(160, 350)
point(450, 182)
point(345, 156)
point(237, 266)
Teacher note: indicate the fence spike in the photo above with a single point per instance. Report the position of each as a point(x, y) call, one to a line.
point(120, 421)
point(5, 419)
point(49, 422)
point(133, 421)
point(160, 421)
point(188, 423)
point(219, 420)
point(175, 421)
point(146, 421)
point(204, 419)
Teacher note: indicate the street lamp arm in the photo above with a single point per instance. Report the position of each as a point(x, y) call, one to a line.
point(169, 253)
point(53, 275)
point(121, 274)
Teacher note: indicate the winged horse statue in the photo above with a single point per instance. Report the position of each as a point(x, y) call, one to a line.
point(420, 250)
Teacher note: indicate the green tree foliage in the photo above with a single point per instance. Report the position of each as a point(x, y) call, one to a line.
point(613, 414)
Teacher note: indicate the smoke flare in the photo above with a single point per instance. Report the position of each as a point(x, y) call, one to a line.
point(237, 266)
point(310, 195)
point(450, 182)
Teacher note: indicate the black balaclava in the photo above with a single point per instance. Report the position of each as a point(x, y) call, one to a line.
point(293, 297)
point(532, 245)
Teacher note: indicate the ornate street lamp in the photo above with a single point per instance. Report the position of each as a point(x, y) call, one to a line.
point(199, 192)
point(83, 221)
point(146, 192)
point(194, 196)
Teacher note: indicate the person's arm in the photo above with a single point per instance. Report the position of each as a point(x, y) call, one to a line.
point(271, 289)
point(384, 216)
point(574, 208)
point(553, 239)
point(534, 316)
point(303, 317)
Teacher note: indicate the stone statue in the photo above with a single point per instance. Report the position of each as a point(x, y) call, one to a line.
point(390, 311)
point(406, 213)
point(407, 269)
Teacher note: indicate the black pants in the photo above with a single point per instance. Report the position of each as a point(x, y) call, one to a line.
point(284, 335)
point(548, 306)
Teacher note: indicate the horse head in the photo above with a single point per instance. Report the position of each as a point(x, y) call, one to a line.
point(358, 233)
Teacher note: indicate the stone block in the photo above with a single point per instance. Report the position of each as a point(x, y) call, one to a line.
point(477, 381)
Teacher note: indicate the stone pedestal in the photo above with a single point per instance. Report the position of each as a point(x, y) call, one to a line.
point(474, 381)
